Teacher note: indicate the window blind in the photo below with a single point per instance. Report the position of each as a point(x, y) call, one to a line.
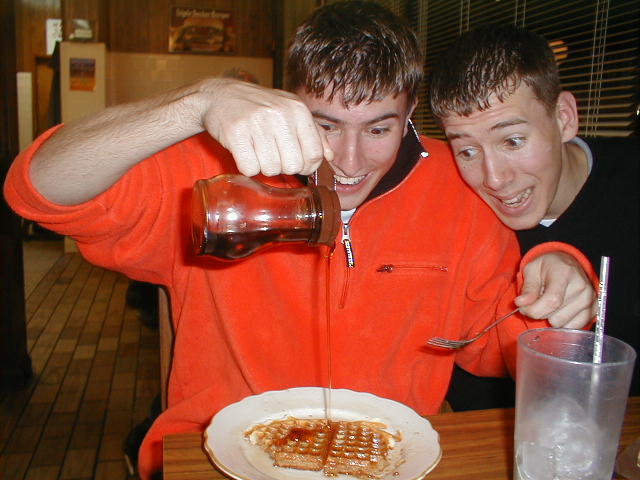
point(596, 44)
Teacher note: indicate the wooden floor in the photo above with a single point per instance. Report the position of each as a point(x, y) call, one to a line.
point(96, 372)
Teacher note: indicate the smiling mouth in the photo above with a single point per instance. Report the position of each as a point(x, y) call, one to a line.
point(518, 199)
point(349, 180)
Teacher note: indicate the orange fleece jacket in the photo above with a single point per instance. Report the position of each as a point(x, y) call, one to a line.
point(430, 259)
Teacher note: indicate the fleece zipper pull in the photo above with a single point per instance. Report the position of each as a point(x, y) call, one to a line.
point(346, 241)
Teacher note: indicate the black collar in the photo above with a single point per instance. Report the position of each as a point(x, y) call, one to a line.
point(408, 154)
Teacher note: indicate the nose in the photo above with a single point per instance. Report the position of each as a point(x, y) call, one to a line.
point(347, 151)
point(497, 172)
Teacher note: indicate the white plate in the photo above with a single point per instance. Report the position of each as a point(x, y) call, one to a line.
point(235, 456)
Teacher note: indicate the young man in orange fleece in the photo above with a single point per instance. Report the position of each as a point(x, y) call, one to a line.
point(426, 256)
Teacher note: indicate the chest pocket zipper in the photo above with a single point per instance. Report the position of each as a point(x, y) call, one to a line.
point(390, 267)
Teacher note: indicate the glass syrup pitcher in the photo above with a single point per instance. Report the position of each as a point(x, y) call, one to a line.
point(234, 216)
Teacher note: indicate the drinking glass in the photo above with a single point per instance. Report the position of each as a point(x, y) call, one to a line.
point(569, 410)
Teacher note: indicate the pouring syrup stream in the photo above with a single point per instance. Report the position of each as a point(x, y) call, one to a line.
point(324, 176)
point(327, 256)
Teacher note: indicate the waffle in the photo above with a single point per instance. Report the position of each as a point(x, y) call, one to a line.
point(293, 443)
point(356, 448)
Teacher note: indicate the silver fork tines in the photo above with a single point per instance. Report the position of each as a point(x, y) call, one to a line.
point(453, 344)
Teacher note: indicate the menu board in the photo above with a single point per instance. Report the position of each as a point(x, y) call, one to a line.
point(201, 30)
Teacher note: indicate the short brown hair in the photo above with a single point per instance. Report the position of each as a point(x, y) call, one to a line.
point(357, 50)
point(492, 60)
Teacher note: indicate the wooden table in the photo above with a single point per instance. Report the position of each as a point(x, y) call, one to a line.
point(475, 444)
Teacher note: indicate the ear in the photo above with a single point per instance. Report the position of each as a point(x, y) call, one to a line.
point(567, 116)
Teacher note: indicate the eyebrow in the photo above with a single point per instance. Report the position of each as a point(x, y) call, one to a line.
point(497, 126)
point(508, 123)
point(331, 119)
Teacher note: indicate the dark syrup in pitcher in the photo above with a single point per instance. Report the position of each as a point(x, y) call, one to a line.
point(234, 246)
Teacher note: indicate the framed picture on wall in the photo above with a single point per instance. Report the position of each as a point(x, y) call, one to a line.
point(201, 30)
point(82, 74)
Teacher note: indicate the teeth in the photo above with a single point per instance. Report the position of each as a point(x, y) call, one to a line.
point(349, 180)
point(518, 200)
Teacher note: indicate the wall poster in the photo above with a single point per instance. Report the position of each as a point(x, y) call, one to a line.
point(82, 74)
point(201, 30)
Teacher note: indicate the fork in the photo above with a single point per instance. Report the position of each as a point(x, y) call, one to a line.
point(453, 344)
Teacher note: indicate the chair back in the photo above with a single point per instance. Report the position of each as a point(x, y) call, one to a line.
point(166, 343)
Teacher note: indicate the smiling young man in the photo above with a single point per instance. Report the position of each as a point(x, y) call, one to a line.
point(365, 138)
point(425, 256)
point(512, 130)
point(518, 157)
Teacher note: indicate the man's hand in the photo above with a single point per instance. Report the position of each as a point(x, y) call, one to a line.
point(556, 288)
point(267, 131)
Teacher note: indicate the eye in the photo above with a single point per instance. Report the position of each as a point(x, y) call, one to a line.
point(466, 153)
point(325, 126)
point(514, 142)
point(378, 131)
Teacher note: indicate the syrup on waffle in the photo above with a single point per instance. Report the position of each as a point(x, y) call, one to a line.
point(358, 448)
